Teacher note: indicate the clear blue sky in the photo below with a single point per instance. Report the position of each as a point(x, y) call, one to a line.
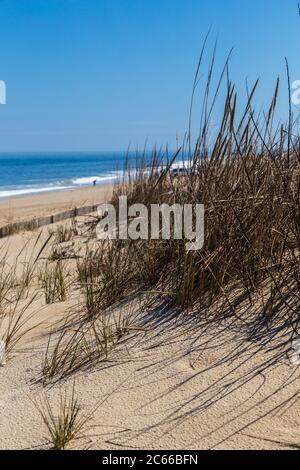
point(102, 74)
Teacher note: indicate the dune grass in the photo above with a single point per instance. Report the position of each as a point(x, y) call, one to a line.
point(88, 342)
point(248, 178)
point(53, 280)
point(65, 425)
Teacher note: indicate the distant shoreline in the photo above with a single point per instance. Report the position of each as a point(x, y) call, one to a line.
point(24, 174)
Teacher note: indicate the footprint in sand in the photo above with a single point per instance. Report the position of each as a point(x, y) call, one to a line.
point(197, 363)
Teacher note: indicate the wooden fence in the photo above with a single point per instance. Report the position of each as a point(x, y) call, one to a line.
point(16, 227)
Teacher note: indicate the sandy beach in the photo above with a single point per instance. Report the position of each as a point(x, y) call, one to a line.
point(28, 207)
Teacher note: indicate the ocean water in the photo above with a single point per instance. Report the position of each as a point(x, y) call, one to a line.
point(26, 173)
point(33, 173)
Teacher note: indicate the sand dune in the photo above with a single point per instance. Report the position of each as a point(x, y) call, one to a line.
point(175, 383)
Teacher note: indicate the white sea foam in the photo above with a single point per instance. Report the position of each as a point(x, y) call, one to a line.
point(88, 180)
point(23, 192)
point(182, 164)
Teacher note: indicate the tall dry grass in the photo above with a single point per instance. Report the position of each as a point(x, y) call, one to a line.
point(247, 175)
point(248, 178)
